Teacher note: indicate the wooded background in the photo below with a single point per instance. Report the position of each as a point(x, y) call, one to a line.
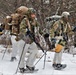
point(44, 8)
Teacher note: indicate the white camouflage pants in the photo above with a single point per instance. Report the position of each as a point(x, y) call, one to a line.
point(14, 46)
point(18, 46)
point(33, 52)
point(58, 57)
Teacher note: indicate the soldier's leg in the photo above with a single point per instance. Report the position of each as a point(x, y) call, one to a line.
point(14, 48)
point(57, 58)
point(33, 52)
point(21, 65)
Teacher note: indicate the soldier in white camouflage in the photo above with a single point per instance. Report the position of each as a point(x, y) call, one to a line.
point(29, 25)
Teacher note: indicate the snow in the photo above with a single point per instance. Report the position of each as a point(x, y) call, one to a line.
point(9, 68)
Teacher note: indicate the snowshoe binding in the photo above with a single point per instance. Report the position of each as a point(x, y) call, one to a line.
point(28, 70)
point(59, 66)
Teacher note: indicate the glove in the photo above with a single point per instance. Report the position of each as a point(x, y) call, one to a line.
point(74, 30)
point(62, 42)
point(46, 35)
point(56, 34)
point(28, 32)
point(65, 37)
point(74, 45)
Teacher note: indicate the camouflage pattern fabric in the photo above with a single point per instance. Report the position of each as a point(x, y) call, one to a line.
point(24, 27)
point(59, 27)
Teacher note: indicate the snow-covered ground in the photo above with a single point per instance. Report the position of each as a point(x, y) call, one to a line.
point(9, 68)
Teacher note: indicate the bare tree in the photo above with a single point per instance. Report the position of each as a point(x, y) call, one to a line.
point(44, 8)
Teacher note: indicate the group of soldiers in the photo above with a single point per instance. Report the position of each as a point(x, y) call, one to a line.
point(25, 33)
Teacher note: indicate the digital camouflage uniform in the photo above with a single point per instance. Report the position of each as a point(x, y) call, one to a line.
point(60, 28)
point(58, 31)
point(24, 28)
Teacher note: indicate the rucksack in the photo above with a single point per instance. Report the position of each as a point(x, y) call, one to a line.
point(51, 20)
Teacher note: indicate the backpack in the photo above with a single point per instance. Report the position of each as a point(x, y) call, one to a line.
point(51, 20)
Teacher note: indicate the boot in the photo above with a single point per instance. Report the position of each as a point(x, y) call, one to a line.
point(22, 70)
point(13, 58)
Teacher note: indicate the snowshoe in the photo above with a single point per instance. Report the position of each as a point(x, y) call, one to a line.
point(22, 70)
point(31, 71)
point(59, 66)
point(28, 70)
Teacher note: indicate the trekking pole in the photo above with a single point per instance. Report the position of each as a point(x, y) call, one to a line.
point(40, 58)
point(44, 60)
point(20, 58)
point(6, 47)
point(32, 37)
point(4, 53)
point(5, 50)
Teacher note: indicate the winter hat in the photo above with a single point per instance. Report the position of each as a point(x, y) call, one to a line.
point(8, 16)
point(65, 14)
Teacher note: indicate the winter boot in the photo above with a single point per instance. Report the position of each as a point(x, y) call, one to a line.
point(22, 70)
point(13, 58)
point(30, 69)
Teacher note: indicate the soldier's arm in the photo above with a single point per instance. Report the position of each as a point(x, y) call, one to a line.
point(69, 29)
point(28, 24)
point(53, 29)
point(36, 30)
point(24, 25)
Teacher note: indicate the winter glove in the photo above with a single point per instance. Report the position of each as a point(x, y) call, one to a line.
point(62, 42)
point(74, 30)
point(28, 32)
point(74, 45)
point(46, 35)
point(56, 34)
point(65, 37)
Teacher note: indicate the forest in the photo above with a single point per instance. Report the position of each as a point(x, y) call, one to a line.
point(44, 8)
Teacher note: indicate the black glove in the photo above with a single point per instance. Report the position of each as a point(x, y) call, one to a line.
point(56, 34)
point(74, 45)
point(65, 37)
point(46, 35)
point(74, 30)
point(28, 32)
